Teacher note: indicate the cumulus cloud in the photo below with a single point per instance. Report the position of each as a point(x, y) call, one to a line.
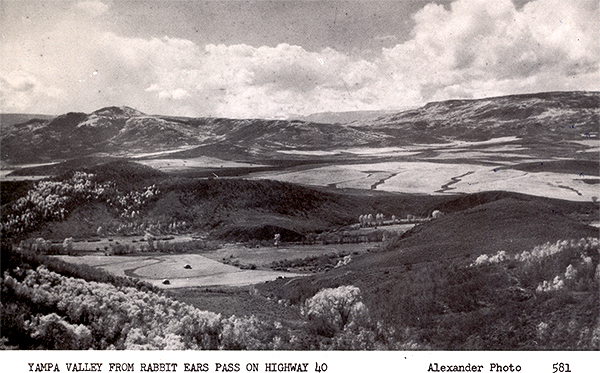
point(473, 48)
point(19, 81)
point(94, 8)
point(20, 91)
point(243, 81)
point(488, 47)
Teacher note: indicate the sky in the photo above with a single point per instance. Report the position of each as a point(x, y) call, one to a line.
point(272, 59)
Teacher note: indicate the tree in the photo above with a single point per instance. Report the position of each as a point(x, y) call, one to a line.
point(336, 308)
point(437, 214)
point(150, 241)
point(277, 239)
point(68, 245)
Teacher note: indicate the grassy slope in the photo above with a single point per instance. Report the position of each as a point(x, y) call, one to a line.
point(571, 166)
point(235, 301)
point(423, 282)
point(506, 224)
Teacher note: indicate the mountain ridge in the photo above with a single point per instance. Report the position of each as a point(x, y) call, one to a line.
point(344, 117)
point(547, 116)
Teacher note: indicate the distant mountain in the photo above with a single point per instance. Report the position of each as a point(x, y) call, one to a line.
point(550, 115)
point(122, 131)
point(9, 119)
point(123, 111)
point(344, 117)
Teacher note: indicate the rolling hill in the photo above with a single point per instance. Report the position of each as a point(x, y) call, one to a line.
point(121, 131)
point(540, 116)
point(427, 287)
point(482, 223)
point(242, 210)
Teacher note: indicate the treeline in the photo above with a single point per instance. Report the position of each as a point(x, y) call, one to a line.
point(137, 227)
point(315, 263)
point(164, 246)
point(343, 237)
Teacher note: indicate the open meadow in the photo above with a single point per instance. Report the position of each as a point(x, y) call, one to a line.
point(154, 269)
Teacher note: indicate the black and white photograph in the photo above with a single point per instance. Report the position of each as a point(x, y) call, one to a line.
point(295, 176)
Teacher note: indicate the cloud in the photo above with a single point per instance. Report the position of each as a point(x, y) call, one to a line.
point(245, 81)
point(386, 37)
point(473, 48)
point(19, 81)
point(176, 94)
point(20, 91)
point(478, 42)
point(93, 8)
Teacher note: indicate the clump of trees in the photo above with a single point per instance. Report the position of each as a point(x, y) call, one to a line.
point(314, 263)
point(163, 246)
point(53, 201)
point(344, 237)
point(42, 246)
point(130, 204)
point(340, 319)
point(42, 309)
point(183, 247)
point(50, 200)
point(565, 264)
point(332, 310)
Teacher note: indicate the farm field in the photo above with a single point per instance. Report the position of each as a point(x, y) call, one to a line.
point(454, 167)
point(155, 268)
point(453, 178)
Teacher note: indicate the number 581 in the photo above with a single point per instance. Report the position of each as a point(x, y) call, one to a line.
point(560, 368)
